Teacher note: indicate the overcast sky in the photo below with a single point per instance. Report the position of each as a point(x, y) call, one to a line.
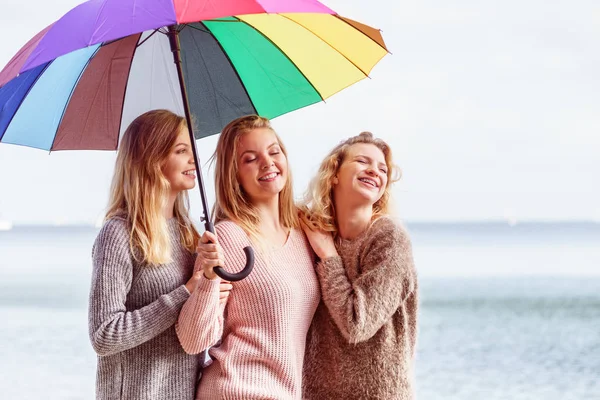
point(492, 110)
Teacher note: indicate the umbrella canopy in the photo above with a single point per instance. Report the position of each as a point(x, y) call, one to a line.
point(79, 82)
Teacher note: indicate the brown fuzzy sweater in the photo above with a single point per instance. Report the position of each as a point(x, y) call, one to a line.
point(361, 343)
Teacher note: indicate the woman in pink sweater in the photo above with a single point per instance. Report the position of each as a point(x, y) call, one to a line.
point(362, 340)
point(262, 326)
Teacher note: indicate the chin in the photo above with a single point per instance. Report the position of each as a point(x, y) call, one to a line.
point(267, 195)
point(364, 193)
point(366, 198)
point(184, 188)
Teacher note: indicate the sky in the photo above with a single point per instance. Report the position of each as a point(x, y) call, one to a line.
point(492, 110)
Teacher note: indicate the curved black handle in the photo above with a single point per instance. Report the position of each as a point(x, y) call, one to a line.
point(243, 273)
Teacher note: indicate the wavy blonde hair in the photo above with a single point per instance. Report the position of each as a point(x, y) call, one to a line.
point(232, 203)
point(318, 208)
point(139, 189)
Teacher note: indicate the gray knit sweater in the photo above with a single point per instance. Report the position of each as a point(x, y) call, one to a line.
point(132, 312)
point(362, 339)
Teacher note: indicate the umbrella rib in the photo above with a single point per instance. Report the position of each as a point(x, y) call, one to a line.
point(139, 33)
point(329, 44)
point(100, 9)
point(286, 56)
point(144, 41)
point(200, 30)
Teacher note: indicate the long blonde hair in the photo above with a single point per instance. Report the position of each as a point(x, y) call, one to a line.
point(139, 189)
point(232, 203)
point(318, 209)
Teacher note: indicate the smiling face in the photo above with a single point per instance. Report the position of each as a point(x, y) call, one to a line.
point(262, 165)
point(179, 168)
point(362, 176)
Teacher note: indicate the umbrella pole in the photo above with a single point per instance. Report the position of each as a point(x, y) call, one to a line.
point(176, 49)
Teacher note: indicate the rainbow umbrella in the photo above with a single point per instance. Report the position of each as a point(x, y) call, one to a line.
point(78, 83)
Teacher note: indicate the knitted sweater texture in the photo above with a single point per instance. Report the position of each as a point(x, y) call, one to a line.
point(132, 313)
point(263, 326)
point(361, 343)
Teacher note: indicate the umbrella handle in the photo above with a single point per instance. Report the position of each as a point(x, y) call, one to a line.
point(243, 273)
point(220, 271)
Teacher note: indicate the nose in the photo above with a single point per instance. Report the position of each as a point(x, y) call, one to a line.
point(267, 163)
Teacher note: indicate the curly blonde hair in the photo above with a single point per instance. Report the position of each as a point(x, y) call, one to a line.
point(318, 209)
point(232, 202)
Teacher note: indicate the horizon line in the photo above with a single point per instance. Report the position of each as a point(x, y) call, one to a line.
point(512, 223)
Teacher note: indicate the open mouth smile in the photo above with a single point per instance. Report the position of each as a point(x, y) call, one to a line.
point(269, 177)
point(370, 182)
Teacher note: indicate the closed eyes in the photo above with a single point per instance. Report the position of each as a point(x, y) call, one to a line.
point(249, 160)
point(366, 161)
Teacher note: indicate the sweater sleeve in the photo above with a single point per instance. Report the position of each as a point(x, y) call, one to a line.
point(200, 323)
point(112, 328)
point(361, 307)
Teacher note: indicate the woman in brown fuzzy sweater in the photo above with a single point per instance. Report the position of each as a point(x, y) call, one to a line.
point(361, 343)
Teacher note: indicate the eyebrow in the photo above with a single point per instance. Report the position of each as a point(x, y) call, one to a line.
point(182, 144)
point(253, 151)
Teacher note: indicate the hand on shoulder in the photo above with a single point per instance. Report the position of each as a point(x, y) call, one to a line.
point(321, 242)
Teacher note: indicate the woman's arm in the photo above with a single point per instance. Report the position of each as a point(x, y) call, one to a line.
point(200, 323)
point(360, 308)
point(111, 327)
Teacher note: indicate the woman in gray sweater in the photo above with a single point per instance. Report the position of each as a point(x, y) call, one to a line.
point(362, 339)
point(143, 263)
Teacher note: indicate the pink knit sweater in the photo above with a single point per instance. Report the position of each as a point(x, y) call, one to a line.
point(263, 327)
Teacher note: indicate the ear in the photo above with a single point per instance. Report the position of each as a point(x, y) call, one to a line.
point(335, 180)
